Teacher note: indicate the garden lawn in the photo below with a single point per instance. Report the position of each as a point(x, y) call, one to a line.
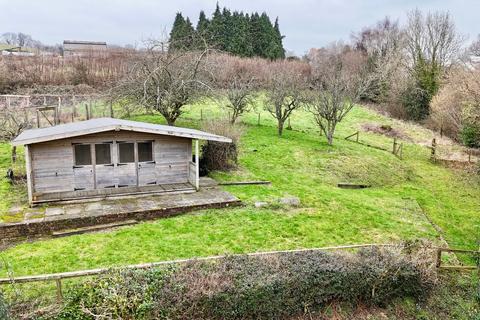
point(299, 164)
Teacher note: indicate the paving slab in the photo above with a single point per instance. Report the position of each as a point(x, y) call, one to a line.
point(104, 211)
point(54, 211)
point(74, 210)
point(94, 206)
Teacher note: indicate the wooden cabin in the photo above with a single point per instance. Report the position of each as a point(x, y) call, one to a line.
point(105, 157)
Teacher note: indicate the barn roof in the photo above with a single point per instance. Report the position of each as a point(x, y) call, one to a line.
point(99, 43)
point(81, 128)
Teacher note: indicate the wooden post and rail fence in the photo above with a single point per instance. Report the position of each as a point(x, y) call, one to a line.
point(58, 277)
point(397, 149)
point(55, 104)
point(470, 152)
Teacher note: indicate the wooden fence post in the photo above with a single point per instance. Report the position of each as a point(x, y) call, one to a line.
point(87, 113)
point(111, 110)
point(38, 118)
point(434, 147)
point(73, 108)
point(394, 146)
point(57, 111)
point(59, 290)
point(27, 110)
point(201, 114)
point(439, 258)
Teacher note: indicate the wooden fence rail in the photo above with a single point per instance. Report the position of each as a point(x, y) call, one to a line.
point(397, 147)
point(58, 277)
point(439, 264)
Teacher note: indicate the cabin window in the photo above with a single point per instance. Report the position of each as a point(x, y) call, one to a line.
point(102, 153)
point(83, 155)
point(145, 151)
point(126, 152)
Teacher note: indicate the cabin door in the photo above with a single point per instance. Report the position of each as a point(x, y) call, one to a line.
point(83, 168)
point(146, 164)
point(126, 170)
point(104, 167)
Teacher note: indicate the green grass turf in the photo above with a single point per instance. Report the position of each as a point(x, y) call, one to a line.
point(298, 164)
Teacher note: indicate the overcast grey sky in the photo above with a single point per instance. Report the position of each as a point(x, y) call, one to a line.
point(305, 23)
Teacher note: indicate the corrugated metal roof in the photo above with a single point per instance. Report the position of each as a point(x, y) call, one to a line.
point(81, 128)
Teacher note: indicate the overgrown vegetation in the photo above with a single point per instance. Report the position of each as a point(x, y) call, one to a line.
point(220, 155)
point(265, 287)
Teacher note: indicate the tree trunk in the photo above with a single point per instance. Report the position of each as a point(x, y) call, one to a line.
point(280, 127)
point(330, 137)
point(14, 154)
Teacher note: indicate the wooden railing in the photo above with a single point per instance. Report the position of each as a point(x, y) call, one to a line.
point(58, 277)
point(397, 149)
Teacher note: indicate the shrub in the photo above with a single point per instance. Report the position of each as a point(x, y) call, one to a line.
point(220, 155)
point(416, 102)
point(470, 135)
point(248, 287)
point(3, 308)
point(121, 294)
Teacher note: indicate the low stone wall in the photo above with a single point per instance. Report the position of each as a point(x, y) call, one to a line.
point(18, 231)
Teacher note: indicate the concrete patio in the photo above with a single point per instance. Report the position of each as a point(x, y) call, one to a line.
point(46, 220)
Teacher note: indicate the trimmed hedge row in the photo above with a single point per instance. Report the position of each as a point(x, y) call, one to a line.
point(243, 287)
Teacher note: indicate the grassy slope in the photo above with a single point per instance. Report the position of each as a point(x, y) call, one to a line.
point(299, 164)
point(10, 195)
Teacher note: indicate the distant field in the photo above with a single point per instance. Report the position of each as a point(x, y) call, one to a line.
point(298, 164)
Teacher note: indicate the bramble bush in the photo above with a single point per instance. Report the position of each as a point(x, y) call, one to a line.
point(261, 287)
point(220, 155)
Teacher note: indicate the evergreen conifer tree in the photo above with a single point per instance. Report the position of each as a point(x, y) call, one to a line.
point(238, 33)
point(181, 36)
point(280, 51)
point(202, 35)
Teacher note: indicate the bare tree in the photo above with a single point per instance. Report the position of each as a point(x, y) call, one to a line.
point(384, 45)
point(165, 81)
point(286, 84)
point(457, 104)
point(474, 48)
point(235, 77)
point(338, 83)
point(432, 38)
point(19, 39)
point(10, 38)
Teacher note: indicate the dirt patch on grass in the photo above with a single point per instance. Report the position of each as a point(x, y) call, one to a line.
point(386, 130)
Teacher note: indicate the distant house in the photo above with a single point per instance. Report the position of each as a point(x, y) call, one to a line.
point(17, 51)
point(105, 157)
point(79, 48)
